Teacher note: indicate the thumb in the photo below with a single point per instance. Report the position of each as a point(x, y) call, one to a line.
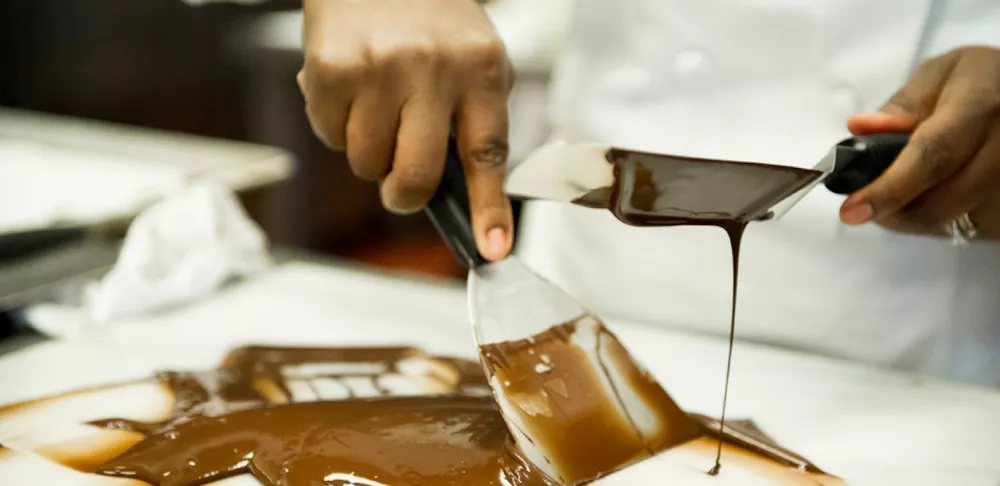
point(912, 104)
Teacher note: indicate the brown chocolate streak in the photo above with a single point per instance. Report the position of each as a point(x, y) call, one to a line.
point(220, 427)
point(735, 232)
point(663, 190)
point(746, 434)
point(397, 441)
point(565, 405)
point(441, 440)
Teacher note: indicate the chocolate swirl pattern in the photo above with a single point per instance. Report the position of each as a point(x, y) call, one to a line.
point(325, 416)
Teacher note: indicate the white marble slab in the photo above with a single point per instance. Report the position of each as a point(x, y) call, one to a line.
point(870, 426)
point(65, 171)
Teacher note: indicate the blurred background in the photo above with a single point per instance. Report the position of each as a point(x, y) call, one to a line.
point(220, 70)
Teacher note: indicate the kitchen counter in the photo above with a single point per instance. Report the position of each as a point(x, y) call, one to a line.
point(62, 171)
point(871, 426)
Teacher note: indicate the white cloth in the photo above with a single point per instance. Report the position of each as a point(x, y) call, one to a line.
point(178, 250)
point(766, 81)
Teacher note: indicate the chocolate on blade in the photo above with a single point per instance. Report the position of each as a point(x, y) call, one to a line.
point(648, 189)
point(665, 190)
point(575, 396)
point(194, 429)
point(640, 185)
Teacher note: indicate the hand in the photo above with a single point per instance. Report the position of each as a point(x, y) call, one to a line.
point(951, 166)
point(385, 80)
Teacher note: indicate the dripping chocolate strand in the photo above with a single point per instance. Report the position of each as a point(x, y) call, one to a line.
point(665, 190)
point(735, 232)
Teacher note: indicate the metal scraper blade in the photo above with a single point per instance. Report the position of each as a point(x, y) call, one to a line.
point(576, 402)
point(648, 185)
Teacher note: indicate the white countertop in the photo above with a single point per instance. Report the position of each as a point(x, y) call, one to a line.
point(870, 426)
point(65, 171)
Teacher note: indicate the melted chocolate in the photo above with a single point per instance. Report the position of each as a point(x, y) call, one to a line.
point(399, 441)
point(735, 232)
point(266, 365)
point(223, 424)
point(746, 434)
point(666, 190)
point(445, 440)
point(577, 412)
point(455, 438)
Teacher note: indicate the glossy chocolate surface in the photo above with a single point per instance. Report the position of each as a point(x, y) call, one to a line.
point(667, 190)
point(302, 417)
point(575, 390)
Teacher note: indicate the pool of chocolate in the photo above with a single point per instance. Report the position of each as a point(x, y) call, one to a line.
point(370, 416)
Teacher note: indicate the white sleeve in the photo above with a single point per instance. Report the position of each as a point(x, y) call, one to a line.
point(960, 23)
point(533, 31)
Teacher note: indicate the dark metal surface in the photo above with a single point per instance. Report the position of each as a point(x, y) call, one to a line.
point(45, 275)
point(55, 273)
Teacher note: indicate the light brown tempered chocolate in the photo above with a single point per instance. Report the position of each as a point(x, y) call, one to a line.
point(563, 400)
point(438, 440)
point(401, 441)
point(218, 420)
point(666, 190)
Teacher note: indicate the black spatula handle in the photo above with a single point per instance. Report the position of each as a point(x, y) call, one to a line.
point(449, 211)
point(861, 159)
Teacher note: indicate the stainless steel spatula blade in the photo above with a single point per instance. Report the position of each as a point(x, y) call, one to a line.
point(592, 174)
point(575, 401)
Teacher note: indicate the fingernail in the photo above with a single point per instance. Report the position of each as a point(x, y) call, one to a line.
point(857, 213)
point(894, 113)
point(892, 110)
point(496, 243)
point(876, 117)
point(401, 212)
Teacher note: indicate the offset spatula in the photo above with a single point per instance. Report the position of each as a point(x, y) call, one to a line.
point(550, 394)
point(507, 300)
point(635, 185)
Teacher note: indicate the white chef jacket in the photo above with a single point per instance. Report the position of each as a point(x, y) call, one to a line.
point(771, 81)
point(757, 80)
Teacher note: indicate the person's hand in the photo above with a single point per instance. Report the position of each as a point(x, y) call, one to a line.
point(386, 80)
point(952, 163)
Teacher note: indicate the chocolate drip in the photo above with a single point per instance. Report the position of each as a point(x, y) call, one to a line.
point(664, 190)
point(746, 434)
point(735, 232)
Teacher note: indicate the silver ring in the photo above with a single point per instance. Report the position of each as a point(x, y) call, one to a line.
point(962, 230)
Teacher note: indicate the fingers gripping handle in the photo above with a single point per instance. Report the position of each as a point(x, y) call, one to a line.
point(449, 211)
point(862, 159)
